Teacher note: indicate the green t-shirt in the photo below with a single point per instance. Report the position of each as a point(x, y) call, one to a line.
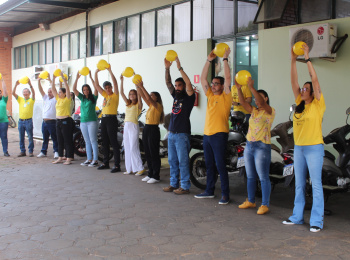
point(87, 109)
point(3, 114)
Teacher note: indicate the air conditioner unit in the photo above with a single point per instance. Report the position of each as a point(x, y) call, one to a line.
point(319, 37)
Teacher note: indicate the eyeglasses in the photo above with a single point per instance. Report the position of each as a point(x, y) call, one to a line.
point(304, 89)
point(216, 83)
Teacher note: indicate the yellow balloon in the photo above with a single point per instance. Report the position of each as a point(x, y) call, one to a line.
point(242, 77)
point(136, 79)
point(128, 72)
point(220, 49)
point(0, 76)
point(57, 73)
point(44, 75)
point(65, 75)
point(84, 71)
point(102, 65)
point(170, 55)
point(24, 80)
point(297, 48)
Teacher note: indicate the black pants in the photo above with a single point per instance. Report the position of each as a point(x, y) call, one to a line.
point(109, 133)
point(64, 131)
point(151, 140)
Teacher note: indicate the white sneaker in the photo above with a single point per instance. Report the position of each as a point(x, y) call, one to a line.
point(55, 156)
point(126, 173)
point(86, 163)
point(40, 155)
point(152, 180)
point(93, 164)
point(146, 178)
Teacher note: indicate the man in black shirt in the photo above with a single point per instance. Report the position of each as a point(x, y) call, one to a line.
point(179, 130)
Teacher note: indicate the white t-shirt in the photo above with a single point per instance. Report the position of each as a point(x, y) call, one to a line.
point(49, 107)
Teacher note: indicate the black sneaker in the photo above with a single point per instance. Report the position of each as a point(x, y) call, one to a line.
point(86, 163)
point(315, 229)
point(93, 164)
point(6, 154)
point(103, 167)
point(115, 169)
point(288, 222)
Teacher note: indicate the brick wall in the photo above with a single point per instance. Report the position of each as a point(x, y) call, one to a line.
point(5, 61)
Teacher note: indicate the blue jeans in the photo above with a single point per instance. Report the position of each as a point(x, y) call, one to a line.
point(214, 153)
point(310, 158)
point(89, 130)
point(3, 135)
point(257, 158)
point(26, 126)
point(178, 157)
point(49, 128)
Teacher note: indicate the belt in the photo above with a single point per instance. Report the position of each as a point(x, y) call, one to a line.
point(104, 115)
point(25, 119)
point(45, 120)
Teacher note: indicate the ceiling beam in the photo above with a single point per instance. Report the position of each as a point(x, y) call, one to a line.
point(18, 22)
point(36, 12)
point(73, 5)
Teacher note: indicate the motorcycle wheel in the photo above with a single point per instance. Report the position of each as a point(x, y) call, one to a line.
point(12, 122)
point(79, 144)
point(198, 171)
point(100, 153)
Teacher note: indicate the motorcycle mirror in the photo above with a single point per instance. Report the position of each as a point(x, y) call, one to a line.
point(348, 111)
point(292, 108)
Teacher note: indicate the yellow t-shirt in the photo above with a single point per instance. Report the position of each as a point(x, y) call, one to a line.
point(218, 112)
point(246, 94)
point(260, 126)
point(307, 126)
point(63, 106)
point(26, 107)
point(132, 113)
point(110, 104)
point(153, 114)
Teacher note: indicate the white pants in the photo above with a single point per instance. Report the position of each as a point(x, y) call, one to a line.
point(133, 162)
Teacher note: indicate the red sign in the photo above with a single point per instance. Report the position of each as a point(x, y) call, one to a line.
point(196, 78)
point(320, 30)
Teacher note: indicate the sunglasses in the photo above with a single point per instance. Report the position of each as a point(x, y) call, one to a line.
point(216, 83)
point(304, 89)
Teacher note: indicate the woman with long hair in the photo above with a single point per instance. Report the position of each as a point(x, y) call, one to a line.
point(64, 123)
point(257, 154)
point(133, 162)
point(151, 132)
point(88, 120)
point(308, 149)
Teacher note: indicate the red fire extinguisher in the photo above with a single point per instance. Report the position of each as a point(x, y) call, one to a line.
point(196, 93)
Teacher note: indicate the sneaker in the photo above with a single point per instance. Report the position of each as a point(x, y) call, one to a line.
point(139, 173)
point(31, 155)
point(93, 164)
point(247, 204)
point(86, 163)
point(152, 180)
point(224, 200)
point(181, 191)
point(204, 195)
point(56, 155)
point(263, 209)
point(103, 167)
point(315, 229)
point(126, 173)
point(146, 178)
point(40, 155)
point(288, 222)
point(21, 155)
point(115, 169)
point(169, 189)
point(6, 154)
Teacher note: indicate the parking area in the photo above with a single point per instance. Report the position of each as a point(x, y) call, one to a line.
point(75, 212)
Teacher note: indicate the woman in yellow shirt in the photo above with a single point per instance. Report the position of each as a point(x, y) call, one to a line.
point(151, 133)
point(133, 162)
point(257, 154)
point(64, 123)
point(308, 149)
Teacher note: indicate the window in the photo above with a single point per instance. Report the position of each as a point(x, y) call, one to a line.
point(35, 53)
point(246, 13)
point(29, 55)
point(148, 30)
point(182, 22)
point(164, 26)
point(342, 8)
point(270, 10)
point(223, 17)
point(65, 47)
point(119, 35)
point(82, 44)
point(95, 41)
point(201, 19)
point(107, 38)
point(315, 10)
point(73, 46)
point(57, 49)
point(23, 57)
point(42, 52)
point(133, 33)
point(49, 51)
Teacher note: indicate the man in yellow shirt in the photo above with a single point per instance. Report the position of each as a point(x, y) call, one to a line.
point(25, 122)
point(235, 100)
point(109, 122)
point(216, 128)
